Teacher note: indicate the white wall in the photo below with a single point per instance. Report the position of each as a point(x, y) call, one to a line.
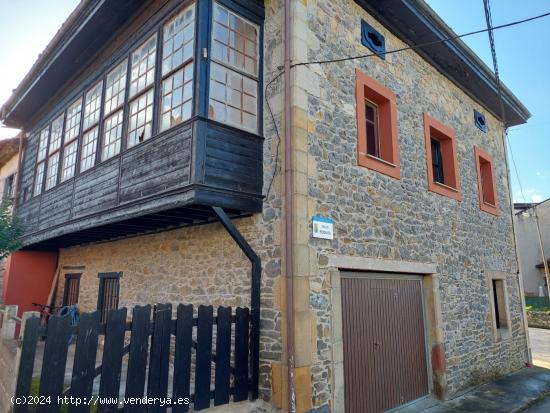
point(528, 245)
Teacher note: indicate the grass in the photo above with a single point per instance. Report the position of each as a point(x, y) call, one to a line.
point(35, 385)
point(537, 304)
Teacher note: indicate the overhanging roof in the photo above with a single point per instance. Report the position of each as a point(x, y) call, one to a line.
point(82, 35)
point(414, 22)
point(93, 22)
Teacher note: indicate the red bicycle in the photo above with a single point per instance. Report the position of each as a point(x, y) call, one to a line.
point(46, 311)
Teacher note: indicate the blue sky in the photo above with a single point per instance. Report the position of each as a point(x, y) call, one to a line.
point(524, 64)
point(523, 52)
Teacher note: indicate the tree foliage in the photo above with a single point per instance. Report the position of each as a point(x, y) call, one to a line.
point(10, 230)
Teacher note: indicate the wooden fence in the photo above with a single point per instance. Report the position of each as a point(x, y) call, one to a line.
point(187, 346)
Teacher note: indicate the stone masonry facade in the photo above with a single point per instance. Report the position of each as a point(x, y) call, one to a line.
point(397, 219)
point(375, 216)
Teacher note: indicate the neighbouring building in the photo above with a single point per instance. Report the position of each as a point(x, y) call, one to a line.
point(529, 245)
point(148, 122)
point(9, 149)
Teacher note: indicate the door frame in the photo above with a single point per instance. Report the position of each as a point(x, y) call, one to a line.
point(427, 274)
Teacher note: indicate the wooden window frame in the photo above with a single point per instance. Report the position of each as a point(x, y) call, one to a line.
point(103, 277)
point(41, 161)
point(484, 166)
point(238, 71)
point(9, 186)
point(199, 101)
point(368, 89)
point(68, 279)
point(446, 137)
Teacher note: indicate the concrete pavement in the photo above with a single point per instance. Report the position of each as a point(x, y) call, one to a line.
point(540, 347)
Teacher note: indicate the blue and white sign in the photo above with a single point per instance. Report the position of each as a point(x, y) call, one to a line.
point(323, 227)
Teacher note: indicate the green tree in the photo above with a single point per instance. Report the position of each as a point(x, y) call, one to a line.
point(10, 230)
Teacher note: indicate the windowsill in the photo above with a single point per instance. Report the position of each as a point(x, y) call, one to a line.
point(376, 158)
point(503, 334)
point(450, 188)
point(445, 190)
point(379, 165)
point(489, 208)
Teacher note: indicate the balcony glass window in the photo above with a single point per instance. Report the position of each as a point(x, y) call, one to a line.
point(115, 87)
point(112, 135)
point(234, 70)
point(141, 115)
point(72, 126)
point(89, 147)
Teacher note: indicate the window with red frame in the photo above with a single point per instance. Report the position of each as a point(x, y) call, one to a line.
point(441, 158)
point(488, 201)
point(377, 146)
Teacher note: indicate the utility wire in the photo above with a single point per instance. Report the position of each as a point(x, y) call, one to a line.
point(489, 29)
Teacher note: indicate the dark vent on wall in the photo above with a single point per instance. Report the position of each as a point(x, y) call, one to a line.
point(372, 39)
point(480, 121)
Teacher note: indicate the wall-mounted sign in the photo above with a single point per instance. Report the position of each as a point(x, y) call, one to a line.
point(323, 227)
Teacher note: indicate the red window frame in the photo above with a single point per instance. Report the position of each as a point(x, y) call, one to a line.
point(486, 183)
point(369, 90)
point(446, 137)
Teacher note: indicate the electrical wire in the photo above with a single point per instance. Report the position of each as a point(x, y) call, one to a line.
point(489, 29)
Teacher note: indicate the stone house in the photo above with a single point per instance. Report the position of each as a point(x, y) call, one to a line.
point(9, 149)
point(529, 245)
point(375, 190)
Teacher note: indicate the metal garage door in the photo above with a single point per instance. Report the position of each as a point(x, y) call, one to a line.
point(384, 342)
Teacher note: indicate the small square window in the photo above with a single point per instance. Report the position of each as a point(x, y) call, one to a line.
point(488, 200)
point(377, 144)
point(372, 39)
point(441, 159)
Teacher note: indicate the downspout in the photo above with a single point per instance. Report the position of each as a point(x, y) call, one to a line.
point(288, 238)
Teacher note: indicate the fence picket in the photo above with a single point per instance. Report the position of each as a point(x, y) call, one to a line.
point(53, 365)
point(144, 358)
point(28, 352)
point(182, 357)
point(137, 359)
point(84, 360)
point(112, 359)
point(160, 355)
point(223, 356)
point(241, 354)
point(204, 357)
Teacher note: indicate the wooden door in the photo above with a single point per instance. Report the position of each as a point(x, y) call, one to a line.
point(384, 342)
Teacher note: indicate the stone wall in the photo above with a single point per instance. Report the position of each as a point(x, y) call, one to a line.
point(538, 319)
point(381, 217)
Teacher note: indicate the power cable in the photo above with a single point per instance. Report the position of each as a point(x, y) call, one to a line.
point(489, 29)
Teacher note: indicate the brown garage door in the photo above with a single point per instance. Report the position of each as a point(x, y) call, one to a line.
point(384, 345)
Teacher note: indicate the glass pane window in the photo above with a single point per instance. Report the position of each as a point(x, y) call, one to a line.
point(373, 137)
point(141, 114)
point(69, 160)
point(115, 87)
point(112, 135)
point(72, 125)
point(143, 66)
point(39, 178)
point(179, 33)
point(233, 98)
point(57, 132)
point(53, 167)
point(43, 143)
point(234, 40)
point(89, 147)
point(177, 97)
point(92, 106)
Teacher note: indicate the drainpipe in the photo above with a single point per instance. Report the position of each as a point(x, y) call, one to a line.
point(288, 214)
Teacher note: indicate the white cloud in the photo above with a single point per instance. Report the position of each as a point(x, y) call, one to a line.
point(536, 198)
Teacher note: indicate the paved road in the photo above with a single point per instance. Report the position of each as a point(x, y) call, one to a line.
point(540, 347)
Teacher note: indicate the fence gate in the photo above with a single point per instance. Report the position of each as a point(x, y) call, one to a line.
point(204, 358)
